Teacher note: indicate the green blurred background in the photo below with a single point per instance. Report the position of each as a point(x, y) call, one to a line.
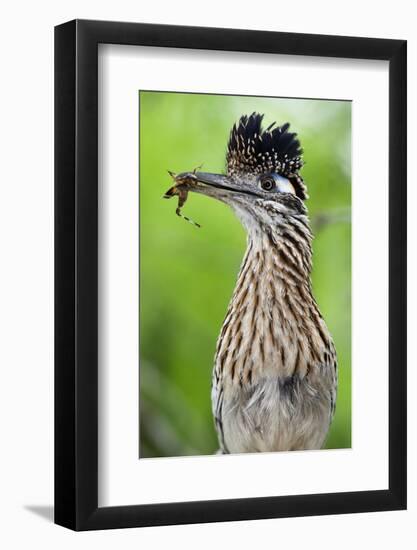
point(187, 274)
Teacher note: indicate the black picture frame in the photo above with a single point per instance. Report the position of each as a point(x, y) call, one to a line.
point(76, 272)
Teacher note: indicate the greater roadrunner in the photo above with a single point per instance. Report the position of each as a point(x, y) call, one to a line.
point(275, 373)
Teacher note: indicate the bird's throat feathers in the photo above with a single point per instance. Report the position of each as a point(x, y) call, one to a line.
point(280, 239)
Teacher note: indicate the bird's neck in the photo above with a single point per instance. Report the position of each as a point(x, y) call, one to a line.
point(272, 324)
point(278, 237)
point(278, 257)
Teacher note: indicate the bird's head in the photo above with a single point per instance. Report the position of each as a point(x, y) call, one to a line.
point(262, 182)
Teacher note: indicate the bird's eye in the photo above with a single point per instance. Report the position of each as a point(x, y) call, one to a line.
point(275, 182)
point(267, 183)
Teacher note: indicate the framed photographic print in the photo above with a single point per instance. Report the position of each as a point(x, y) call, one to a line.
point(230, 275)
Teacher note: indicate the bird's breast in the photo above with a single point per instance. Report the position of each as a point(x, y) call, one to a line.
point(272, 327)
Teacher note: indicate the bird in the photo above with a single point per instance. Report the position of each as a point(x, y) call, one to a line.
point(274, 382)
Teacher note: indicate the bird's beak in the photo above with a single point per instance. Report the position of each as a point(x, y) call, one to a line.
point(217, 186)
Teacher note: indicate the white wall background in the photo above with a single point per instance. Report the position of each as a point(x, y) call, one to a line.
point(26, 289)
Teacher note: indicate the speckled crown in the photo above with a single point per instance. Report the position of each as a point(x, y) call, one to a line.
point(256, 151)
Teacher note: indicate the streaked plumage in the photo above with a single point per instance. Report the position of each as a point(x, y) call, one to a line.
point(274, 380)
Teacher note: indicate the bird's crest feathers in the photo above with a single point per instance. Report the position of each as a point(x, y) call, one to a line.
point(251, 149)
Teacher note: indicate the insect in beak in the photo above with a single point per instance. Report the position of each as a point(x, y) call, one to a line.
point(180, 189)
